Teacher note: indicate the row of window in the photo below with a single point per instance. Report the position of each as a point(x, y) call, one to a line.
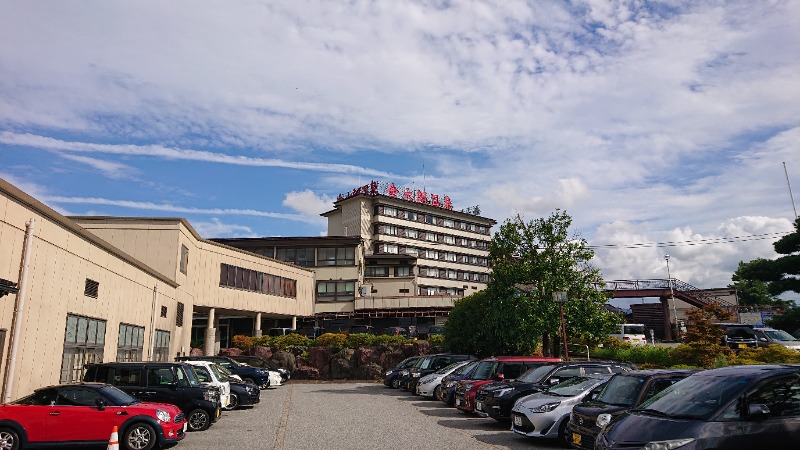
point(429, 236)
point(451, 274)
point(426, 253)
point(383, 271)
point(391, 211)
point(311, 256)
point(439, 290)
point(345, 291)
point(85, 339)
point(92, 289)
point(255, 281)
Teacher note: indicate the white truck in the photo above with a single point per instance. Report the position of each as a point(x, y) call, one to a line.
point(632, 333)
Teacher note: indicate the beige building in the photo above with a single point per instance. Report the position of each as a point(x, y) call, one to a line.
point(85, 289)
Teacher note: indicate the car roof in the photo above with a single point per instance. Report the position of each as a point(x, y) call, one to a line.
point(657, 372)
point(521, 359)
point(90, 384)
point(752, 371)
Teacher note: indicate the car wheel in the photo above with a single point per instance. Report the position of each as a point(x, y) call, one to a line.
point(198, 420)
point(437, 392)
point(563, 439)
point(9, 439)
point(139, 436)
point(249, 381)
point(234, 402)
point(395, 384)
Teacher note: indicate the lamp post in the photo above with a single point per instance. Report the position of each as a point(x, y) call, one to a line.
point(560, 297)
point(672, 297)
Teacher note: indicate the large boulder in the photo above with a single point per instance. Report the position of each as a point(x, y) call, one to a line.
point(306, 373)
point(371, 371)
point(233, 351)
point(320, 358)
point(262, 352)
point(285, 360)
point(368, 355)
point(196, 352)
point(343, 364)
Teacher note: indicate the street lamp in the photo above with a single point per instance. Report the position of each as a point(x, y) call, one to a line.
point(672, 297)
point(560, 297)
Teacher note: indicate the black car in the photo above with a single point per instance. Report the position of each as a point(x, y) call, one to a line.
point(496, 399)
point(731, 408)
point(429, 364)
point(392, 377)
point(311, 332)
point(243, 394)
point(255, 361)
point(162, 382)
point(248, 374)
point(624, 391)
point(738, 336)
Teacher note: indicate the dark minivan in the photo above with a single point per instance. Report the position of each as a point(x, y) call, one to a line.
point(731, 408)
point(162, 382)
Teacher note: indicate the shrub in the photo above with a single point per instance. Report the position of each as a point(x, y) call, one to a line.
point(436, 340)
point(331, 340)
point(241, 341)
point(646, 355)
point(290, 340)
point(773, 354)
point(702, 354)
point(358, 340)
point(263, 341)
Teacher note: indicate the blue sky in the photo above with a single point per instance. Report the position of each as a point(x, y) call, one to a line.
point(648, 122)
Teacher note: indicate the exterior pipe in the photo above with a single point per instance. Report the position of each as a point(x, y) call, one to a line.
point(19, 311)
point(153, 323)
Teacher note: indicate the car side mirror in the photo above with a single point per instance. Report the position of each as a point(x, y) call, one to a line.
point(499, 377)
point(757, 411)
point(763, 339)
point(101, 404)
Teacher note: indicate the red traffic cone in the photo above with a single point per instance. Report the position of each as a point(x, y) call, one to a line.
point(113, 441)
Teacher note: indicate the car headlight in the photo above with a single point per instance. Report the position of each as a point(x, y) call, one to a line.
point(547, 407)
point(502, 392)
point(388, 372)
point(415, 375)
point(667, 445)
point(603, 420)
point(163, 416)
point(404, 372)
point(210, 395)
point(447, 384)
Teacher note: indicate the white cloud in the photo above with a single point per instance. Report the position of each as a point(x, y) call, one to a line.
point(108, 168)
point(308, 203)
point(216, 228)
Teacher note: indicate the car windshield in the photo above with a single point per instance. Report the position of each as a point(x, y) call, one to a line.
point(484, 371)
point(191, 377)
point(117, 397)
point(779, 335)
point(696, 397)
point(450, 368)
point(633, 329)
point(408, 363)
point(622, 390)
point(225, 372)
point(425, 363)
point(467, 368)
point(574, 386)
point(218, 371)
point(535, 375)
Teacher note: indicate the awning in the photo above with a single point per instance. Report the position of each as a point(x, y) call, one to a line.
point(7, 287)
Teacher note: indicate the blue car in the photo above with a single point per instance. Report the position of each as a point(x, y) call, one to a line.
point(393, 376)
point(447, 393)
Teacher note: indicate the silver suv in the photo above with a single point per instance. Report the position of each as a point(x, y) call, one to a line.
point(768, 336)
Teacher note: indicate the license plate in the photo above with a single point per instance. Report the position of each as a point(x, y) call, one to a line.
point(742, 345)
point(458, 402)
point(218, 412)
point(185, 426)
point(479, 406)
point(576, 438)
point(518, 421)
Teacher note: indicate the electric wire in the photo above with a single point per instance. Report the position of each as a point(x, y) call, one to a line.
point(709, 241)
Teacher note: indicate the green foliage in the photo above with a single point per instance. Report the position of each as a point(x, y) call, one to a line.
point(529, 262)
point(642, 356)
point(241, 341)
point(436, 340)
point(703, 347)
point(789, 321)
point(358, 340)
point(331, 340)
point(779, 274)
point(263, 341)
point(772, 354)
point(291, 340)
point(751, 292)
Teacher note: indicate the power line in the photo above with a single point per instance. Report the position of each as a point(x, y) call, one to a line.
point(710, 241)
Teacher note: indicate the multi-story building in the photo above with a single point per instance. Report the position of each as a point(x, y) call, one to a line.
point(392, 256)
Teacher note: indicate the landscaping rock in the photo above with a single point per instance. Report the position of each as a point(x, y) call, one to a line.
point(371, 371)
point(306, 373)
point(343, 365)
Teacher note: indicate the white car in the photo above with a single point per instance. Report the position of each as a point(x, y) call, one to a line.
point(428, 384)
point(213, 374)
point(546, 414)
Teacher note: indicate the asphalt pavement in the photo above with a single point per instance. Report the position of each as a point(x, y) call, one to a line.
point(346, 416)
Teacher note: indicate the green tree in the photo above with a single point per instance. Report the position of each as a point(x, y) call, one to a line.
point(530, 261)
point(788, 321)
point(779, 274)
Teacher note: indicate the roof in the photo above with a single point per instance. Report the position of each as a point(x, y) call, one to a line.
point(522, 358)
point(751, 371)
point(656, 372)
point(411, 204)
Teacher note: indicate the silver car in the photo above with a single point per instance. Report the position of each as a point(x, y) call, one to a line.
point(428, 384)
point(546, 414)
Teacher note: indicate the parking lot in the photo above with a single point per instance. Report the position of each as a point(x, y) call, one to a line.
point(300, 416)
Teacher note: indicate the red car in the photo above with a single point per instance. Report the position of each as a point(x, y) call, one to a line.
point(85, 414)
point(494, 369)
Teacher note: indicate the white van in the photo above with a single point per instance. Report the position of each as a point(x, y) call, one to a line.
point(210, 373)
point(632, 333)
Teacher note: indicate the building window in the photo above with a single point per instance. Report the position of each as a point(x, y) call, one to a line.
point(391, 230)
point(431, 254)
point(451, 274)
point(427, 290)
point(431, 237)
point(450, 257)
point(411, 233)
point(255, 281)
point(403, 291)
point(449, 223)
point(412, 251)
point(410, 215)
point(163, 311)
point(303, 256)
point(391, 248)
point(430, 219)
point(431, 272)
point(179, 315)
point(336, 291)
point(389, 211)
point(130, 343)
point(336, 256)
point(376, 271)
point(402, 271)
point(184, 259)
point(84, 340)
point(91, 288)
point(449, 240)
point(161, 346)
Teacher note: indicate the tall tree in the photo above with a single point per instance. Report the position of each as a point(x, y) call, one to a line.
point(781, 274)
point(530, 261)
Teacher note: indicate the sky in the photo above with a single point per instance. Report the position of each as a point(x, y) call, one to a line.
point(661, 127)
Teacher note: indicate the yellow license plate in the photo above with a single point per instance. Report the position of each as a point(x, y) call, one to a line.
point(742, 345)
point(576, 438)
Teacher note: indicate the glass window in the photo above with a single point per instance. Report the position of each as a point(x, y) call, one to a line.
point(431, 254)
point(336, 256)
point(336, 291)
point(79, 347)
point(450, 257)
point(782, 397)
point(389, 211)
point(184, 259)
point(430, 237)
point(130, 343)
point(124, 376)
point(449, 223)
point(430, 219)
point(390, 230)
point(447, 239)
point(390, 248)
point(410, 215)
point(412, 251)
point(452, 274)
point(376, 271)
point(411, 233)
point(402, 271)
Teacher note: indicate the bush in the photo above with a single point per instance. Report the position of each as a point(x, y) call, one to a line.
point(290, 340)
point(645, 355)
point(358, 340)
point(773, 354)
point(241, 341)
point(436, 340)
point(263, 341)
point(331, 340)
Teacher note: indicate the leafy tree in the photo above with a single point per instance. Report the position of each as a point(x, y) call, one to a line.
point(751, 292)
point(779, 274)
point(788, 321)
point(516, 312)
point(703, 345)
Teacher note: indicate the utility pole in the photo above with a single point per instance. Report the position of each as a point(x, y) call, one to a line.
point(672, 297)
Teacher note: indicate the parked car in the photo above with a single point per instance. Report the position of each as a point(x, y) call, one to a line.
point(734, 408)
point(546, 414)
point(83, 414)
point(255, 361)
point(430, 385)
point(162, 382)
point(432, 330)
point(447, 390)
point(624, 391)
point(242, 394)
point(738, 336)
point(632, 333)
point(209, 374)
point(495, 400)
point(255, 375)
point(392, 376)
point(359, 329)
point(770, 336)
point(429, 364)
point(311, 332)
point(396, 331)
point(494, 369)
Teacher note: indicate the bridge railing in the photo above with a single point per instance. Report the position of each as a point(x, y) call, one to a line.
point(660, 283)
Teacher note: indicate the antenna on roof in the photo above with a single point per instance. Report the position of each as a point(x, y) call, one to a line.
point(790, 189)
